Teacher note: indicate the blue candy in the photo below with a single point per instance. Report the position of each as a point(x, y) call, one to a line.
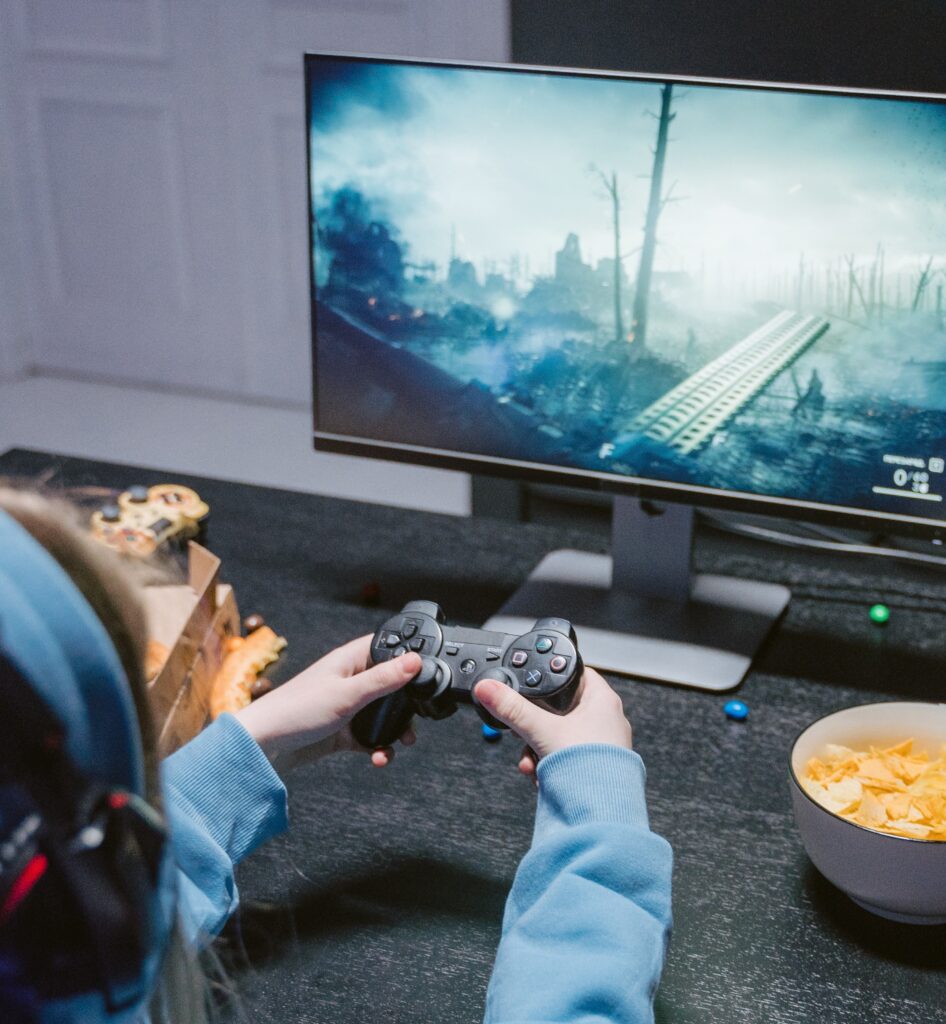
point(737, 710)
point(490, 734)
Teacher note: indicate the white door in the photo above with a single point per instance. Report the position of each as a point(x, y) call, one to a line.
point(154, 205)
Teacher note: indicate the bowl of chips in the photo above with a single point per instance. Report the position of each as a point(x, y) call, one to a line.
point(868, 787)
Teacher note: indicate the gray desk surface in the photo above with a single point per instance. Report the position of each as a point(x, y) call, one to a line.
point(385, 897)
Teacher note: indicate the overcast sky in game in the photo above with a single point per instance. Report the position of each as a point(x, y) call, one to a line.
point(506, 158)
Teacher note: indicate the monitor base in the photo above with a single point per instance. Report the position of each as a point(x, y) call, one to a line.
point(707, 641)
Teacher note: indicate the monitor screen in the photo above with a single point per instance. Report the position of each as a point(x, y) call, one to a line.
point(728, 292)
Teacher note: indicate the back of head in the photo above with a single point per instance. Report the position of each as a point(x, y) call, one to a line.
point(86, 877)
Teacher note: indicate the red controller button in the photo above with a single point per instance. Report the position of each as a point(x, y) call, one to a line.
point(558, 663)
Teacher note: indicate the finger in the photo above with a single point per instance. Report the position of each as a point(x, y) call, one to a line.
point(528, 761)
point(382, 757)
point(509, 707)
point(593, 686)
point(408, 738)
point(383, 679)
point(350, 658)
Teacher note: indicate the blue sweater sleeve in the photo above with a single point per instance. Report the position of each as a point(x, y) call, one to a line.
point(588, 918)
point(223, 799)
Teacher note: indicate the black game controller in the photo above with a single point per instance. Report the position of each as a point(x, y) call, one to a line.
point(543, 665)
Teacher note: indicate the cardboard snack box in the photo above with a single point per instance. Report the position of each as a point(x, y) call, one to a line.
point(193, 621)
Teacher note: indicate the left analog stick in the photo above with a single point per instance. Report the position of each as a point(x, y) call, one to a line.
point(433, 677)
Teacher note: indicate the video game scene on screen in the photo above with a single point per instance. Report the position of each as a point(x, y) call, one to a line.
point(740, 288)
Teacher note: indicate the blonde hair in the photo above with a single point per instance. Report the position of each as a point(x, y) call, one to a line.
point(112, 586)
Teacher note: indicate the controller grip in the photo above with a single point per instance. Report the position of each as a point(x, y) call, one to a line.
point(383, 720)
point(561, 702)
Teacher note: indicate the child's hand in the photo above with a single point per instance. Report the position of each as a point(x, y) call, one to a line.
point(598, 717)
point(308, 717)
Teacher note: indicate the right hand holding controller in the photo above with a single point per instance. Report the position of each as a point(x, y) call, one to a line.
point(598, 717)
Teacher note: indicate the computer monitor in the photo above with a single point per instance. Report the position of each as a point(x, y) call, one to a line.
point(679, 290)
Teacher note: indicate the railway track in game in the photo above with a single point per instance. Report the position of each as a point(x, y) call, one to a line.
point(686, 417)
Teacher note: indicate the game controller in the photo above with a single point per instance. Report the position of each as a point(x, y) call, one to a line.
point(144, 518)
point(543, 665)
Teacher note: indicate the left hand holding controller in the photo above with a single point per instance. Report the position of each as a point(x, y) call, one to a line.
point(307, 718)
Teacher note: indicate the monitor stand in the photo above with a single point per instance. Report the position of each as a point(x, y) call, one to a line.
point(642, 612)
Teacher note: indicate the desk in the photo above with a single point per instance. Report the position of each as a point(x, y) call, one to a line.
point(384, 900)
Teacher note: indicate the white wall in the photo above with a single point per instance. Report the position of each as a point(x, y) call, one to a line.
point(15, 340)
point(154, 157)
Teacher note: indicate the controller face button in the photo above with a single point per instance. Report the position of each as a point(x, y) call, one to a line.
point(493, 654)
point(558, 663)
point(452, 649)
point(408, 629)
point(392, 639)
point(533, 677)
point(519, 658)
point(417, 644)
point(468, 666)
point(544, 644)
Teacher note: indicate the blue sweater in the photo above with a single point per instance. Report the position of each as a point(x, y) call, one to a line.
point(586, 922)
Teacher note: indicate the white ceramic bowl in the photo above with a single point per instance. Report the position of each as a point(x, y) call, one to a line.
point(896, 877)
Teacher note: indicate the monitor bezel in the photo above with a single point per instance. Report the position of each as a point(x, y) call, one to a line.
point(537, 472)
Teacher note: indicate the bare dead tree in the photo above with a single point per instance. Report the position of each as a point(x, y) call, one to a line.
point(856, 286)
point(881, 299)
point(921, 284)
point(654, 206)
point(872, 289)
point(611, 187)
